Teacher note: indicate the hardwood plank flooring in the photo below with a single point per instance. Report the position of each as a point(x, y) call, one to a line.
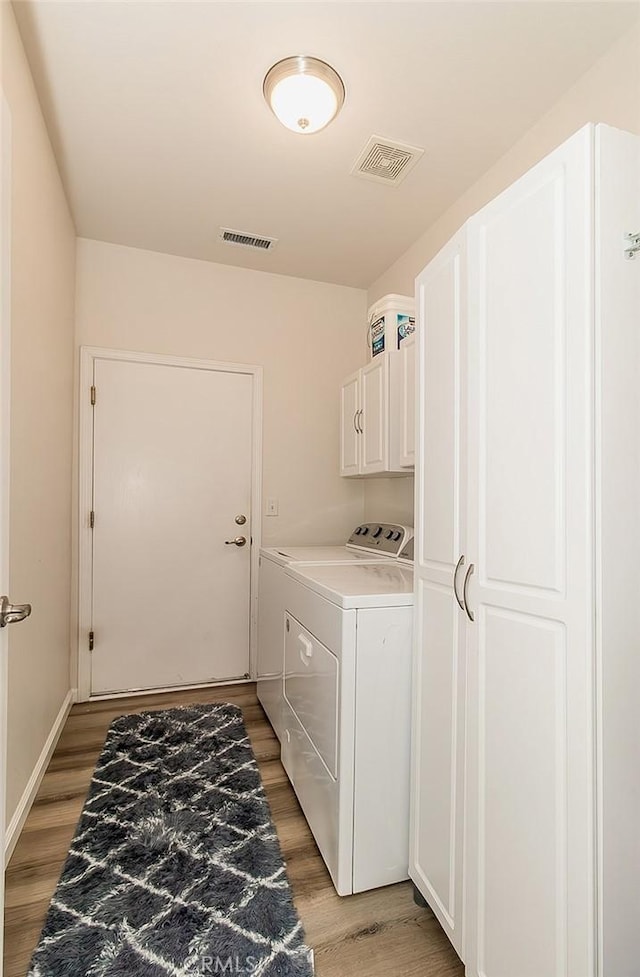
point(373, 934)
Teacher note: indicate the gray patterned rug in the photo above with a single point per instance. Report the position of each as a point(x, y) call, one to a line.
point(175, 868)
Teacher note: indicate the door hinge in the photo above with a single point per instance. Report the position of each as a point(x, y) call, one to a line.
point(91, 640)
point(93, 396)
point(633, 245)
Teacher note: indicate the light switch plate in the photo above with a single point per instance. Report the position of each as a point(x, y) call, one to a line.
point(271, 508)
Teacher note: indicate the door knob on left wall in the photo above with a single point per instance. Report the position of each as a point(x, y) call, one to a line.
point(238, 541)
point(12, 613)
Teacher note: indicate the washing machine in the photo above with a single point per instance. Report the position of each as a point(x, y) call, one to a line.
point(369, 542)
point(347, 713)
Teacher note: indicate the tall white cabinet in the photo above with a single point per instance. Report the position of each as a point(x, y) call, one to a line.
point(441, 511)
point(526, 781)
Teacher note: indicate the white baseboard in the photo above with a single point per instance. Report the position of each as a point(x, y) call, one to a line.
point(16, 824)
point(105, 696)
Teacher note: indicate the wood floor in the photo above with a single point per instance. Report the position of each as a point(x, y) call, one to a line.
point(374, 934)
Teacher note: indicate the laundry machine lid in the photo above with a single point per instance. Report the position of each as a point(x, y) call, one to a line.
point(381, 584)
point(284, 555)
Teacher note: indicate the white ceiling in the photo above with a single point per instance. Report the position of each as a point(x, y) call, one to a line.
point(162, 134)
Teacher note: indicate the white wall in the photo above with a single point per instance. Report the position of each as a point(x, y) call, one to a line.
point(390, 500)
point(305, 334)
point(609, 92)
point(42, 324)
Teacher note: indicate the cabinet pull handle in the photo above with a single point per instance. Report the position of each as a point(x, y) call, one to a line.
point(464, 591)
point(305, 651)
point(459, 564)
point(355, 422)
point(360, 414)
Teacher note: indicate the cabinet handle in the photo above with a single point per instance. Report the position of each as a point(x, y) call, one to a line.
point(464, 591)
point(459, 564)
point(355, 422)
point(360, 415)
point(306, 651)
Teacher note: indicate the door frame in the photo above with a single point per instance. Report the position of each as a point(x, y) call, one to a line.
point(88, 357)
point(5, 432)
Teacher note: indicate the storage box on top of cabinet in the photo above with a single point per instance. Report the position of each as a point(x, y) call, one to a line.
point(526, 780)
point(391, 322)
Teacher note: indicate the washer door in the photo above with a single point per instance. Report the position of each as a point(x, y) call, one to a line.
point(311, 682)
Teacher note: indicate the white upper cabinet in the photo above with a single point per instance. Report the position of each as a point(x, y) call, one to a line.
point(407, 432)
point(376, 421)
point(374, 412)
point(349, 430)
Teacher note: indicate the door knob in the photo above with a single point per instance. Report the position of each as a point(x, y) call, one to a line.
point(12, 613)
point(237, 541)
point(241, 520)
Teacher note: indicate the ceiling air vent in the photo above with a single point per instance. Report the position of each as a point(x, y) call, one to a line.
point(244, 240)
point(386, 161)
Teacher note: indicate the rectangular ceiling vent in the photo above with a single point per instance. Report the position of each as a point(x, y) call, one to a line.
point(386, 161)
point(243, 239)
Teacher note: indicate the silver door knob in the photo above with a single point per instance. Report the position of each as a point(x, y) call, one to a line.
point(12, 613)
point(241, 520)
point(238, 541)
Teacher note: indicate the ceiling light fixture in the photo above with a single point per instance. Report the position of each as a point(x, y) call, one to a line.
point(304, 93)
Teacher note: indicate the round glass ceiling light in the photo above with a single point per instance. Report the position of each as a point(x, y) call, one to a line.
point(304, 93)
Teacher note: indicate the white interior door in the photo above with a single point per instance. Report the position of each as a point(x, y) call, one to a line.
point(531, 800)
point(172, 471)
point(437, 807)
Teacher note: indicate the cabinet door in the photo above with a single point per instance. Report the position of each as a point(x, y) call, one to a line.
point(374, 417)
point(350, 437)
point(530, 760)
point(407, 355)
point(437, 807)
